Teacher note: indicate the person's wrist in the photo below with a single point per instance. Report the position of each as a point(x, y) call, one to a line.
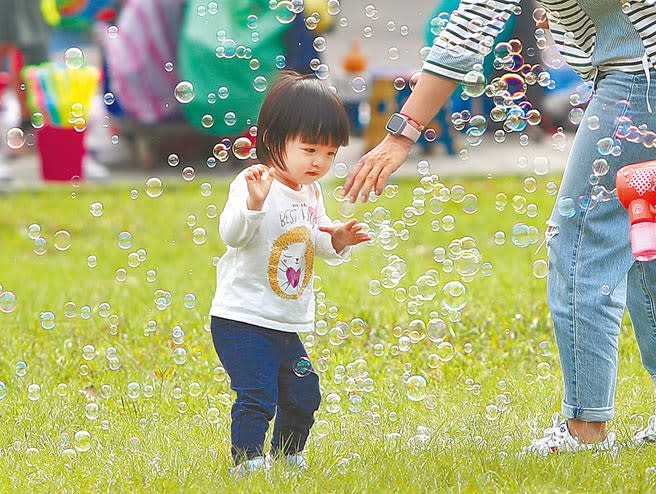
point(400, 140)
point(412, 121)
point(254, 205)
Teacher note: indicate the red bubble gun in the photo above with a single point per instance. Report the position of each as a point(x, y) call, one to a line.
point(636, 190)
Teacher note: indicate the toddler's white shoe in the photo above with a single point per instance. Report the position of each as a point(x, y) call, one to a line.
point(557, 439)
point(646, 435)
point(248, 467)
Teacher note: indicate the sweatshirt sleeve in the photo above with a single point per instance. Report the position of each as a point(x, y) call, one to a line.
point(468, 37)
point(237, 224)
point(324, 243)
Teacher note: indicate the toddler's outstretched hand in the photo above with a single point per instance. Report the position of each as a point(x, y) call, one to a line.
point(258, 181)
point(350, 233)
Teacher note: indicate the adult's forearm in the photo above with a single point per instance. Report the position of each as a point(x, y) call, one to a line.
point(430, 93)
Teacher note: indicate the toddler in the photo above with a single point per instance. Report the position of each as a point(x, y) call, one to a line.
point(273, 224)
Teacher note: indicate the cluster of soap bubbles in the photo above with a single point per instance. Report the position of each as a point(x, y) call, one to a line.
point(461, 256)
point(508, 92)
point(61, 239)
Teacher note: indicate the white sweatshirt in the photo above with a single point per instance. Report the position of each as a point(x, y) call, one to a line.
point(265, 276)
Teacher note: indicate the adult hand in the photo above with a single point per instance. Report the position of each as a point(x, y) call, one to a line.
point(258, 180)
point(375, 167)
point(350, 233)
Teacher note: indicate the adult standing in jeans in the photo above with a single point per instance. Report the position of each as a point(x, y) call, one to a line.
point(592, 275)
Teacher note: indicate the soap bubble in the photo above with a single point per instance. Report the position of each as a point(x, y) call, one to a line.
point(47, 320)
point(125, 240)
point(7, 302)
point(515, 86)
point(358, 84)
point(541, 165)
point(333, 403)
point(73, 58)
point(82, 441)
point(491, 412)
point(473, 84)
point(88, 352)
point(575, 116)
point(92, 411)
point(540, 268)
point(340, 170)
point(566, 207)
point(33, 392)
point(600, 167)
point(445, 351)
point(38, 120)
point(207, 121)
point(21, 368)
point(154, 187)
point(416, 388)
point(242, 148)
point(15, 138)
point(62, 240)
point(184, 92)
point(453, 295)
point(593, 122)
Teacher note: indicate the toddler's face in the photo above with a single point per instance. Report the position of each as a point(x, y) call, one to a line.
point(306, 162)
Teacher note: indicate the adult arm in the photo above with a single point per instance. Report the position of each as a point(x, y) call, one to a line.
point(460, 46)
point(375, 167)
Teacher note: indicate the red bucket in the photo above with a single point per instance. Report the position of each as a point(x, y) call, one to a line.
point(61, 151)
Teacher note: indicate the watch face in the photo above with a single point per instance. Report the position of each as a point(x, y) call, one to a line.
point(396, 123)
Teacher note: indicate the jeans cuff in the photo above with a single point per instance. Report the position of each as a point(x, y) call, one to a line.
point(587, 414)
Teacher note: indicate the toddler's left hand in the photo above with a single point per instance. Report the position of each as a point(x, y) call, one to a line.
point(350, 233)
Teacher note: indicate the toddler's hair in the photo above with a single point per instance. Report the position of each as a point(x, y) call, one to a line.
point(299, 106)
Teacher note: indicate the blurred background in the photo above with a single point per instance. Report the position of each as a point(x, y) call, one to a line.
point(114, 90)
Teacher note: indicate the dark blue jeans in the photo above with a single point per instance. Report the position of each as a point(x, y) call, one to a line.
point(260, 364)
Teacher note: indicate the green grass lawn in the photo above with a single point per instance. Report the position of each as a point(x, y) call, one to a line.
point(123, 392)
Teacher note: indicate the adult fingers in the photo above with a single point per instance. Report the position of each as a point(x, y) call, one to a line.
point(351, 177)
point(367, 187)
point(382, 180)
point(359, 180)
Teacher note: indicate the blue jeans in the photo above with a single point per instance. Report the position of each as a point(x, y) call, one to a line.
point(592, 275)
point(260, 364)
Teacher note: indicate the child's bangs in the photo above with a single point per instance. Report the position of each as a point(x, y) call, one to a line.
point(323, 124)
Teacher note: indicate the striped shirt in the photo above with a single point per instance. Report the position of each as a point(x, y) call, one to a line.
point(472, 29)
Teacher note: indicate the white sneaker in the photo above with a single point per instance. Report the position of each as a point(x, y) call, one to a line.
point(646, 435)
point(248, 467)
point(557, 439)
point(296, 461)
